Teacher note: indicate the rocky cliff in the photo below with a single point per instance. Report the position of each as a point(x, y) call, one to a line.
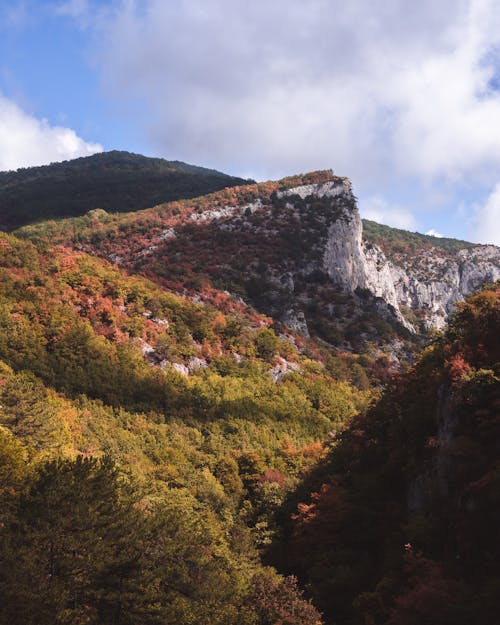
point(428, 285)
point(294, 249)
point(433, 285)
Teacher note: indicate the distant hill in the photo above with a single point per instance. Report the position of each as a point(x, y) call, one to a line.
point(394, 241)
point(114, 181)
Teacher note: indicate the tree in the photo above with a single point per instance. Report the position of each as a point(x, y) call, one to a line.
point(69, 553)
point(278, 601)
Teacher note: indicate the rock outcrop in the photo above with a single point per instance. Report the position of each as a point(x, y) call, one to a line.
point(296, 251)
point(429, 285)
point(355, 265)
point(434, 284)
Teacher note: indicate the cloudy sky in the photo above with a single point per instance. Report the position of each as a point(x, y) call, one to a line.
point(402, 97)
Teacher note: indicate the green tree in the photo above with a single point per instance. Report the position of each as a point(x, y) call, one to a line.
point(68, 556)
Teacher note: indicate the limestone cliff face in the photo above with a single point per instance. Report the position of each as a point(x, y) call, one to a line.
point(429, 284)
point(298, 254)
point(354, 265)
point(436, 282)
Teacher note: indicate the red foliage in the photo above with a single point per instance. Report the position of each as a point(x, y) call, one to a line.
point(273, 476)
point(326, 508)
point(458, 367)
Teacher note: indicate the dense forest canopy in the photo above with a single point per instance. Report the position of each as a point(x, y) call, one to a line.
point(112, 181)
point(132, 491)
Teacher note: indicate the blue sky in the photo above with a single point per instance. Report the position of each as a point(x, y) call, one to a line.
point(401, 97)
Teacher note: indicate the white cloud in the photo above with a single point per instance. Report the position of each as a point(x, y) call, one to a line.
point(378, 209)
point(26, 140)
point(378, 91)
point(396, 95)
point(434, 233)
point(486, 225)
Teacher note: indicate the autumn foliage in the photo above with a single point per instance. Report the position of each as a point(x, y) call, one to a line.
point(401, 526)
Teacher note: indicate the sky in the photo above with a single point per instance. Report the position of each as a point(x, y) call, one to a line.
point(401, 97)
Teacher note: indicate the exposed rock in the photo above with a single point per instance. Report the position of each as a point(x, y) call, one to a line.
point(437, 282)
point(329, 189)
point(296, 321)
point(216, 213)
point(353, 265)
point(168, 233)
point(282, 368)
point(430, 284)
point(161, 322)
point(185, 370)
point(146, 348)
point(249, 209)
point(196, 363)
point(180, 368)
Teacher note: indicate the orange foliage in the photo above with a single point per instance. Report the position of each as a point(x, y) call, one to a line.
point(458, 367)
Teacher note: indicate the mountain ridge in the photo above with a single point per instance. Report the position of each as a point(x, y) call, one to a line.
point(116, 181)
point(295, 249)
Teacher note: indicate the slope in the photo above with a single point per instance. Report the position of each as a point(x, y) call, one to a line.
point(114, 181)
point(295, 250)
point(402, 523)
point(146, 440)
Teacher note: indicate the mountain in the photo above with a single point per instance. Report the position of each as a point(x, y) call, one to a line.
point(114, 181)
point(203, 418)
point(296, 250)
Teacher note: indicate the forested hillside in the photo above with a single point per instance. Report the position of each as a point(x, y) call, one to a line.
point(113, 181)
point(401, 522)
point(203, 422)
point(249, 241)
point(395, 241)
point(146, 443)
point(296, 251)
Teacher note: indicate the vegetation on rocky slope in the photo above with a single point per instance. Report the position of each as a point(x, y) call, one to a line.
point(248, 241)
point(394, 241)
point(131, 490)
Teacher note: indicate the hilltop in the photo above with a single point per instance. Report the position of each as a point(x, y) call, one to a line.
point(113, 181)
